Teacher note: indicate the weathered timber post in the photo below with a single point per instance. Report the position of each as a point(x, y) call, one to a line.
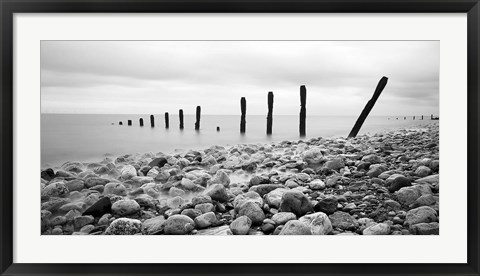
point(243, 108)
point(413, 117)
point(197, 123)
point(180, 116)
point(303, 109)
point(152, 121)
point(404, 118)
point(218, 128)
point(270, 113)
point(431, 117)
point(368, 107)
point(141, 121)
point(120, 123)
point(129, 122)
point(167, 121)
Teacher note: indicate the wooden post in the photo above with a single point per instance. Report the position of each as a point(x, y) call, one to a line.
point(368, 107)
point(218, 128)
point(303, 110)
point(152, 121)
point(120, 123)
point(243, 108)
point(413, 117)
point(270, 113)
point(422, 117)
point(180, 116)
point(431, 117)
point(404, 118)
point(129, 122)
point(167, 121)
point(197, 123)
point(141, 121)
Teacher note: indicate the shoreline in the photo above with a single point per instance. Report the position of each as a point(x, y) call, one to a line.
point(380, 184)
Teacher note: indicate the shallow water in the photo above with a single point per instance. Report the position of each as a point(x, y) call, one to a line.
point(89, 138)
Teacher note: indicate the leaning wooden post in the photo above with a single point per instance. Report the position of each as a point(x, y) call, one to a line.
point(270, 113)
point(303, 110)
point(422, 117)
point(120, 123)
point(141, 121)
point(167, 121)
point(129, 122)
point(152, 121)
point(368, 107)
point(243, 107)
point(180, 116)
point(197, 123)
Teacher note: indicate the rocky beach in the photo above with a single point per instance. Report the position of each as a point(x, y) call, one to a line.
point(381, 184)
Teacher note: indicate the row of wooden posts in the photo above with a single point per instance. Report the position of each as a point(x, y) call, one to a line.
point(303, 112)
point(421, 118)
point(167, 120)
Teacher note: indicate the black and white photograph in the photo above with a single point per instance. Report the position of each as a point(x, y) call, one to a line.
point(239, 137)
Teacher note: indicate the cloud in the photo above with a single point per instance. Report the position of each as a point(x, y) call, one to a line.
point(159, 76)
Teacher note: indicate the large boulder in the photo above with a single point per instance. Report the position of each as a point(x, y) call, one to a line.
point(252, 210)
point(125, 207)
point(371, 158)
point(241, 225)
point(179, 225)
point(295, 227)
point(217, 192)
point(296, 202)
point(397, 181)
point(421, 214)
point(124, 226)
point(319, 223)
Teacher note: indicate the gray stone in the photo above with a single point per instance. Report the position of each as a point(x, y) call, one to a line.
point(252, 210)
point(377, 229)
point(327, 205)
point(217, 192)
point(343, 221)
point(241, 225)
point(432, 228)
point(57, 189)
point(397, 181)
point(295, 227)
point(179, 225)
point(124, 226)
point(283, 217)
point(264, 189)
point(205, 207)
point(421, 214)
point(274, 197)
point(423, 171)
point(205, 220)
point(125, 207)
point(115, 188)
point(248, 196)
point(319, 223)
point(153, 225)
point(295, 202)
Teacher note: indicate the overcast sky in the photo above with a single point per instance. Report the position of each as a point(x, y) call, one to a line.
point(153, 77)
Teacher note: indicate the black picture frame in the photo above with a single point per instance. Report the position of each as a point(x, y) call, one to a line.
point(9, 7)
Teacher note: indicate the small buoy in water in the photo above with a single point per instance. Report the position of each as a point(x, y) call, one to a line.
point(218, 128)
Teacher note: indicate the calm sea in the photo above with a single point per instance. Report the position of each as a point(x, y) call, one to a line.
point(89, 138)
